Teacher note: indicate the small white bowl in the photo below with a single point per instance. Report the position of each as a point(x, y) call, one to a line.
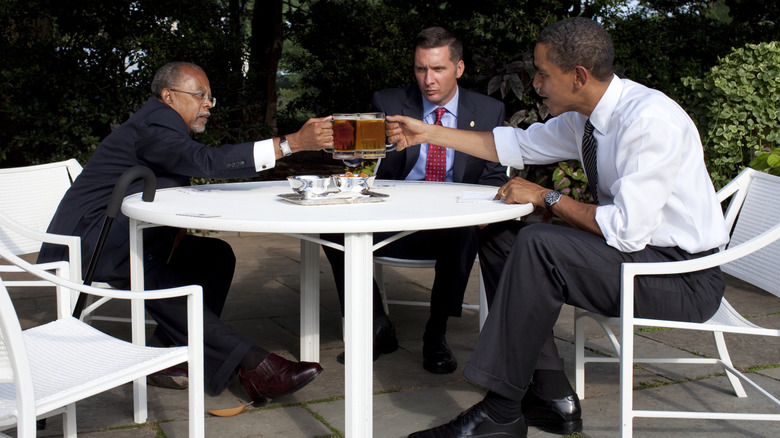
point(310, 186)
point(355, 184)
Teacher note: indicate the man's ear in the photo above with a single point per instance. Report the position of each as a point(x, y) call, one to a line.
point(165, 96)
point(459, 68)
point(581, 76)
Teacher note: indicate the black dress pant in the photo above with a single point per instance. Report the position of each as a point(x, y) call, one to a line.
point(531, 270)
point(207, 262)
point(454, 250)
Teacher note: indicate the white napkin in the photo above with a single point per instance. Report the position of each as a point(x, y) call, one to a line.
point(479, 197)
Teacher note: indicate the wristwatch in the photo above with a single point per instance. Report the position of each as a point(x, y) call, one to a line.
point(284, 146)
point(551, 198)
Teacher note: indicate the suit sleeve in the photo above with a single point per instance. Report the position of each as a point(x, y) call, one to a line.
point(166, 147)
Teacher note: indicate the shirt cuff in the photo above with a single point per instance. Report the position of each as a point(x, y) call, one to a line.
point(507, 147)
point(265, 156)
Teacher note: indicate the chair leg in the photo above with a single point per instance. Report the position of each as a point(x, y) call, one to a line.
point(579, 353)
point(723, 353)
point(69, 421)
point(483, 305)
point(380, 280)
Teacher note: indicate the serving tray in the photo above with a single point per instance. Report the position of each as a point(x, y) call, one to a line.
point(328, 199)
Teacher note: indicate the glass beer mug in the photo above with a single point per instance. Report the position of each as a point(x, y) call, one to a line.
point(359, 135)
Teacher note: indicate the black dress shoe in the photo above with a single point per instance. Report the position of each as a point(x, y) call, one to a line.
point(275, 377)
point(437, 357)
point(171, 378)
point(385, 341)
point(560, 415)
point(475, 423)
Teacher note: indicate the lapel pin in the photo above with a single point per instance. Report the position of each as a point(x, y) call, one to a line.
point(471, 124)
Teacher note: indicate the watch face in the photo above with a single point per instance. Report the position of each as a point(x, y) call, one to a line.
point(551, 198)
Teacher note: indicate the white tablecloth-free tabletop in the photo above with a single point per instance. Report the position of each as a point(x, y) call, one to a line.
point(256, 207)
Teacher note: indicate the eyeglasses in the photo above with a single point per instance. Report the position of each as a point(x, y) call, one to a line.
point(204, 96)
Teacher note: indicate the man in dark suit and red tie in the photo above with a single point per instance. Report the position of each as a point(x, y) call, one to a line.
point(437, 98)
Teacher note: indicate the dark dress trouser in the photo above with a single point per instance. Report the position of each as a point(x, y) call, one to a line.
point(531, 270)
point(207, 262)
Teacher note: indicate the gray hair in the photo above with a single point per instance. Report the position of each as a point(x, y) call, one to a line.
point(579, 41)
point(169, 76)
point(436, 36)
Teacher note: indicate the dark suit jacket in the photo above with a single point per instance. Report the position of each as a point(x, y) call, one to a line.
point(484, 111)
point(157, 137)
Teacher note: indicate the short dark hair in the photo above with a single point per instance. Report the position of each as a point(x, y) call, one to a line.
point(169, 76)
point(579, 41)
point(437, 36)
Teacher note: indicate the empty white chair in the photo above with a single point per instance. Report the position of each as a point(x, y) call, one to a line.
point(30, 196)
point(45, 370)
point(380, 261)
point(753, 215)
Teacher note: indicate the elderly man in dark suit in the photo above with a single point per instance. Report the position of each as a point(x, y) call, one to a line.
point(158, 136)
point(437, 98)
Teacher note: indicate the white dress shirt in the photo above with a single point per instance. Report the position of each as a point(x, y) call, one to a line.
point(653, 187)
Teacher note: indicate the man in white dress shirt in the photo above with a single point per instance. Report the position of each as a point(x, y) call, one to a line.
point(656, 203)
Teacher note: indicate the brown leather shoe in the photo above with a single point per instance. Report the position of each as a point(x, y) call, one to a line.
point(277, 376)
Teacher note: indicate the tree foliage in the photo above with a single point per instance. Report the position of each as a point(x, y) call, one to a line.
point(737, 107)
point(73, 70)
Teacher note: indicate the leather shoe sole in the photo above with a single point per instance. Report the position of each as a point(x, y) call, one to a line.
point(475, 423)
point(560, 416)
point(437, 357)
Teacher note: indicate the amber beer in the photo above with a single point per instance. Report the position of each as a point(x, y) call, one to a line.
point(345, 128)
point(371, 135)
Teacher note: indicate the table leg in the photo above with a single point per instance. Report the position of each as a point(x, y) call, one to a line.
point(358, 339)
point(310, 301)
point(137, 314)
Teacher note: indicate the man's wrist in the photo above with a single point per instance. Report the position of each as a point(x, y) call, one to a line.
point(551, 198)
point(284, 146)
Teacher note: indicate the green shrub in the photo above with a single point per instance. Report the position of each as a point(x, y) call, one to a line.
point(737, 109)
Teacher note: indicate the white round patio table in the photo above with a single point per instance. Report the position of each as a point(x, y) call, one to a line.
point(257, 207)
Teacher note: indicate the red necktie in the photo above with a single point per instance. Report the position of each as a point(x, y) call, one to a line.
point(436, 164)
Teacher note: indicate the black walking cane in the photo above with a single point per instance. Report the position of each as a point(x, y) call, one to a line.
point(112, 210)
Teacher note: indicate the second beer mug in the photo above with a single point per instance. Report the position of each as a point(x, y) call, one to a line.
point(371, 135)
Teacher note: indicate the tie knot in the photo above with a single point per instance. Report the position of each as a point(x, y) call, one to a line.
point(439, 113)
point(588, 128)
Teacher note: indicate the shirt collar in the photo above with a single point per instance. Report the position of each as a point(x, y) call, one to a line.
point(451, 106)
point(602, 113)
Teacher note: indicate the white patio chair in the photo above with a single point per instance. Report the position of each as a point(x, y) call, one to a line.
point(380, 262)
point(45, 370)
point(30, 196)
point(753, 215)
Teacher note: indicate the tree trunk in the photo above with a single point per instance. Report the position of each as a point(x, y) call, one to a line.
point(265, 49)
